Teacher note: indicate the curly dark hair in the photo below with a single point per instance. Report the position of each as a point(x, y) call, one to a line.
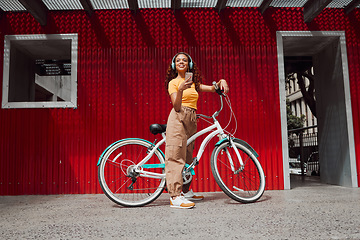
point(171, 74)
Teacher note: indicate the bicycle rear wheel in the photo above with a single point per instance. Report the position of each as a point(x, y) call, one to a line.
point(123, 185)
point(246, 184)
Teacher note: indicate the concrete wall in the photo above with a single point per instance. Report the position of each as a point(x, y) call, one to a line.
point(58, 86)
point(332, 117)
point(22, 73)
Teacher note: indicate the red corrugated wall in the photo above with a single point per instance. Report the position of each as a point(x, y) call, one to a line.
point(122, 60)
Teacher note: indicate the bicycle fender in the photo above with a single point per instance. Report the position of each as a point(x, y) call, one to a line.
point(241, 142)
point(102, 155)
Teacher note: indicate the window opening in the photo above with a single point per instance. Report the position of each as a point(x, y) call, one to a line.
point(40, 71)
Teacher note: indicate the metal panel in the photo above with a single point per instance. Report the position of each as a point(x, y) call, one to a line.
point(122, 61)
point(247, 3)
point(282, 3)
point(154, 3)
point(198, 4)
point(11, 5)
point(338, 3)
point(15, 5)
point(63, 4)
point(110, 4)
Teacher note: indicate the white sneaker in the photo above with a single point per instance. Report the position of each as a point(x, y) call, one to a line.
point(191, 196)
point(181, 202)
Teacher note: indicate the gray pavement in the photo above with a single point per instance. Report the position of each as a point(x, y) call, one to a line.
point(307, 211)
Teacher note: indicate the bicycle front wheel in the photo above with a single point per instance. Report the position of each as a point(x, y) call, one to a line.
point(121, 183)
point(245, 183)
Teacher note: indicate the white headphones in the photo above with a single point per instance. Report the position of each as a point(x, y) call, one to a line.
point(191, 64)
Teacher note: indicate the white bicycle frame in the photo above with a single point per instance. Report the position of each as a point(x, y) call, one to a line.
point(219, 131)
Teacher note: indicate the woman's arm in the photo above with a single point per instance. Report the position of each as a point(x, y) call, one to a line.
point(222, 85)
point(176, 99)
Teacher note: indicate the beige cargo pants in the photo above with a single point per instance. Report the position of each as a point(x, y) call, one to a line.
point(180, 126)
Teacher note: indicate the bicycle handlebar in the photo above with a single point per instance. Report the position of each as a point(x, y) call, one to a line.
point(221, 95)
point(217, 89)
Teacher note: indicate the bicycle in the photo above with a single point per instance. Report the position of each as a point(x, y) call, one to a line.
point(131, 171)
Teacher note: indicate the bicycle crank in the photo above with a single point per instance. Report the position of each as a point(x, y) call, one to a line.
point(187, 177)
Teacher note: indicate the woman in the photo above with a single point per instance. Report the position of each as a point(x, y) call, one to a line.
point(182, 124)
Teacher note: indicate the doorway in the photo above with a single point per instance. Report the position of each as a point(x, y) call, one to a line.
point(333, 103)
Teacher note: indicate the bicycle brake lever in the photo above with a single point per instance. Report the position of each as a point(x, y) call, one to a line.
point(218, 90)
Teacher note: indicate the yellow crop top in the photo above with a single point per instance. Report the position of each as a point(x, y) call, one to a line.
point(190, 95)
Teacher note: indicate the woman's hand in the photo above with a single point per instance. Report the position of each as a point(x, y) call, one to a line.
point(223, 85)
point(185, 84)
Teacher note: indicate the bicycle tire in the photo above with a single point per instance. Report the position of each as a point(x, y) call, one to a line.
point(246, 186)
point(114, 168)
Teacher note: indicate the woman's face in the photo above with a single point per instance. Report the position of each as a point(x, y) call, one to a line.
point(181, 63)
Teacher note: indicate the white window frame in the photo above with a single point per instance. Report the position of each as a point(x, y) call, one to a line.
point(48, 104)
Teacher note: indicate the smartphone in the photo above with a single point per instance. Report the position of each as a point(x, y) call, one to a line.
point(187, 75)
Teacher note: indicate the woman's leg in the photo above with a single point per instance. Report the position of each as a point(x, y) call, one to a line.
point(190, 130)
point(189, 160)
point(174, 165)
point(175, 153)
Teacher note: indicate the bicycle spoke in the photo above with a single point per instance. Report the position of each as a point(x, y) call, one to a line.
point(244, 184)
point(117, 172)
point(122, 185)
point(142, 189)
point(113, 163)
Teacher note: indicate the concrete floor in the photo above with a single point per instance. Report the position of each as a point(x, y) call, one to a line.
point(310, 210)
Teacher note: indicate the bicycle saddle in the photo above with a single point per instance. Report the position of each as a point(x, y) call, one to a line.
point(157, 128)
